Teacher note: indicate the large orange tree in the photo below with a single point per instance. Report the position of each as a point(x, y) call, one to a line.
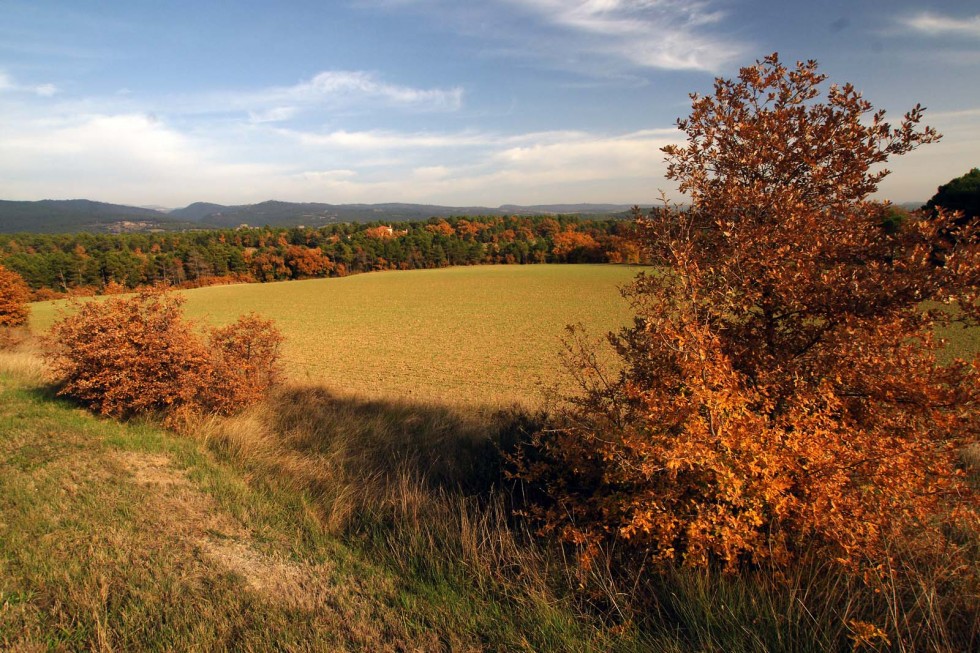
point(782, 387)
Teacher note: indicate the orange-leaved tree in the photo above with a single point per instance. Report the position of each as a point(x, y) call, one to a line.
point(126, 356)
point(13, 299)
point(781, 387)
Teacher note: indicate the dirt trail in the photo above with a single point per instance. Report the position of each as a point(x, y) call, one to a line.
point(222, 540)
point(356, 608)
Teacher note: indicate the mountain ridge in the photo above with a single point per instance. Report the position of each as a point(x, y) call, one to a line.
point(81, 215)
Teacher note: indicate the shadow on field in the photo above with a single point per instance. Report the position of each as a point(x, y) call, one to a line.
point(438, 446)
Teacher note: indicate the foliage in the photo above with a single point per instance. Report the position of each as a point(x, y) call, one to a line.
point(13, 299)
point(780, 388)
point(244, 359)
point(137, 355)
point(67, 263)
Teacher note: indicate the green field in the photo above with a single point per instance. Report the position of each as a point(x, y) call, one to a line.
point(469, 335)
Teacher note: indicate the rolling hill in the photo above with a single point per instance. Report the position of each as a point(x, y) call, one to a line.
point(66, 216)
point(59, 216)
point(289, 214)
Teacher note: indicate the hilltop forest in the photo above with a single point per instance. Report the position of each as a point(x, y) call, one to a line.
point(60, 263)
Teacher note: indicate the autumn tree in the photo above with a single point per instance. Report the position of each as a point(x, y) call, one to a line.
point(781, 386)
point(13, 299)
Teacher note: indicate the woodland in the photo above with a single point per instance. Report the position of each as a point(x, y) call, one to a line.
point(53, 265)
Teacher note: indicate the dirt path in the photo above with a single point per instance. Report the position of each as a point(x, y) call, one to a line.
point(220, 540)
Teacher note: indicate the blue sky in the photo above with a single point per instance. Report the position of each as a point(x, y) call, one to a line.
point(432, 101)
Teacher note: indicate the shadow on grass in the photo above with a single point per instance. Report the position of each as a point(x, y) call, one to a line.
point(443, 447)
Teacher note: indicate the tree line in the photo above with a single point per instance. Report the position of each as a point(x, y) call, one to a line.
point(53, 264)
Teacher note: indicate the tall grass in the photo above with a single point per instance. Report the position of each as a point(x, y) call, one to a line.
point(417, 485)
point(421, 487)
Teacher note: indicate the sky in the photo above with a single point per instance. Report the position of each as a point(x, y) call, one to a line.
point(460, 103)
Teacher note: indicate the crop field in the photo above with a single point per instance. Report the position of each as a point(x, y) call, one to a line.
point(469, 335)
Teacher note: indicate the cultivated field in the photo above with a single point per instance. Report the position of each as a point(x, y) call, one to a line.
point(469, 335)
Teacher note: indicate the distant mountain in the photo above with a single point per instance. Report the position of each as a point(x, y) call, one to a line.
point(65, 216)
point(198, 211)
point(288, 214)
point(576, 209)
point(61, 216)
point(911, 206)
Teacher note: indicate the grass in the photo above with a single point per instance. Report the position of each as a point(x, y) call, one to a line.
point(129, 537)
point(468, 335)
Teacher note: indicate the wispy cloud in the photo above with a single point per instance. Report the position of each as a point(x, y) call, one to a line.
point(377, 140)
point(934, 24)
point(7, 84)
point(599, 38)
point(337, 85)
point(350, 90)
point(649, 33)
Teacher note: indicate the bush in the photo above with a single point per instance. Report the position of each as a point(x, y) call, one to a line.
point(781, 390)
point(14, 295)
point(244, 359)
point(132, 356)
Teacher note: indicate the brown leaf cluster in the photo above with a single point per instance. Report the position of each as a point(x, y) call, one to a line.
point(782, 388)
point(138, 355)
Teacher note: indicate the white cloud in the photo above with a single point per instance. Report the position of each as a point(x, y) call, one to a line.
point(130, 158)
point(934, 24)
point(600, 38)
point(375, 140)
point(136, 158)
point(275, 114)
point(7, 83)
point(332, 89)
point(648, 33)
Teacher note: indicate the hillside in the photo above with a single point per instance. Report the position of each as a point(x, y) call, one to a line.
point(290, 214)
point(71, 216)
point(66, 216)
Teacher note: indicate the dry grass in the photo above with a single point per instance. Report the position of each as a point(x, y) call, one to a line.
point(22, 358)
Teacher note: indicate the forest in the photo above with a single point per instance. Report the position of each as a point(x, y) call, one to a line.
point(84, 263)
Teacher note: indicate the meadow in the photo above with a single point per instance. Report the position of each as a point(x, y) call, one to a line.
point(470, 335)
point(365, 504)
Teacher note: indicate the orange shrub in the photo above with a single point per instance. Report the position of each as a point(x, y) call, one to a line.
point(130, 356)
point(245, 360)
point(14, 295)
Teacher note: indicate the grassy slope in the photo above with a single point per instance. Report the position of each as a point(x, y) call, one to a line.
point(128, 537)
point(486, 334)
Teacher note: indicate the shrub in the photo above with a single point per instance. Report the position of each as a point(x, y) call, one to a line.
point(137, 355)
point(781, 389)
point(245, 362)
point(14, 295)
